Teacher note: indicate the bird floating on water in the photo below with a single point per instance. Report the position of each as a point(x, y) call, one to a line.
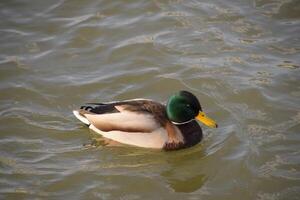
point(147, 123)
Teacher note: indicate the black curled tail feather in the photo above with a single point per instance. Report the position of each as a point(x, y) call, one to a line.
point(87, 108)
point(99, 108)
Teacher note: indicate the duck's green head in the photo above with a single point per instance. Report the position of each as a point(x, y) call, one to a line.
point(183, 107)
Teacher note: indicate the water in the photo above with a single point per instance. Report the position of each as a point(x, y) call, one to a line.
point(241, 58)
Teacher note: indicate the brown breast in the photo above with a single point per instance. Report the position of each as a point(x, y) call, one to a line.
point(191, 132)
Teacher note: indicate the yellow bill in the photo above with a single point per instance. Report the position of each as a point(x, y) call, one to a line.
point(206, 120)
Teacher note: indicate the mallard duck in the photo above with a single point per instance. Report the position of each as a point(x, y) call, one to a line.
point(146, 123)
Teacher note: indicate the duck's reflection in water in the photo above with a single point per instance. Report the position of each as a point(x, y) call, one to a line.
point(181, 176)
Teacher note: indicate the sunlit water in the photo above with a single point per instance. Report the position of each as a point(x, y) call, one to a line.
point(241, 58)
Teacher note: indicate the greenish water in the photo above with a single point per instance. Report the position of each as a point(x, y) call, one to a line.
point(241, 58)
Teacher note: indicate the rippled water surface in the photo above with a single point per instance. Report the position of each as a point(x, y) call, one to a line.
point(241, 58)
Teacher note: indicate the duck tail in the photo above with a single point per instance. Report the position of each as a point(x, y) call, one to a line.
point(81, 117)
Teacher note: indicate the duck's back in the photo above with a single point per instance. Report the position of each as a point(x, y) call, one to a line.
point(134, 122)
